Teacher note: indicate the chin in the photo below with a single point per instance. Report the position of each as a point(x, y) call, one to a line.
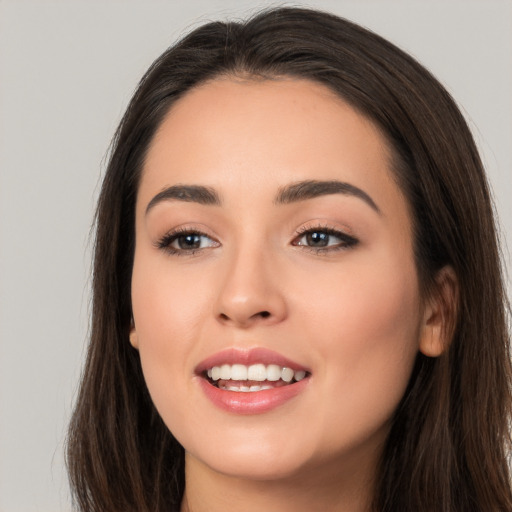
point(253, 464)
point(261, 451)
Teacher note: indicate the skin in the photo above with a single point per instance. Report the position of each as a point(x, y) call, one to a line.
point(353, 316)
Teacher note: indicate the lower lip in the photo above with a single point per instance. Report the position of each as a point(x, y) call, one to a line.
point(252, 402)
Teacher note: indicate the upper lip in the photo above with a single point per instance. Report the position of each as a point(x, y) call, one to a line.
point(247, 357)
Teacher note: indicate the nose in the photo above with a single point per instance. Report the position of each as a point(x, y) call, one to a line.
point(251, 291)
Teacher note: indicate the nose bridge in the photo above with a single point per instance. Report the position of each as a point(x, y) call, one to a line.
point(250, 290)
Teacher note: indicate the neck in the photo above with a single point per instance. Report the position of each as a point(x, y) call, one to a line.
point(319, 489)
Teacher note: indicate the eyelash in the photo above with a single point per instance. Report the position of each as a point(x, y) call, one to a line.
point(165, 243)
point(346, 241)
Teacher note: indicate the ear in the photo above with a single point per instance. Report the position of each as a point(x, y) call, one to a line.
point(440, 314)
point(134, 339)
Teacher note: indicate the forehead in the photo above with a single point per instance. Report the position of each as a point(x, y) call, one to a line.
point(255, 136)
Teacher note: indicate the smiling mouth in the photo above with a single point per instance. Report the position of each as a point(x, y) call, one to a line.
point(256, 377)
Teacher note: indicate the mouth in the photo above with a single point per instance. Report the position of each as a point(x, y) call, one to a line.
point(251, 381)
point(242, 378)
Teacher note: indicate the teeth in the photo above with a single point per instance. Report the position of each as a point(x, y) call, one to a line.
point(238, 372)
point(225, 371)
point(247, 389)
point(215, 373)
point(255, 372)
point(299, 375)
point(287, 374)
point(273, 372)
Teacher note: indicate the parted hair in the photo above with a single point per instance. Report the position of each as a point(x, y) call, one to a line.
point(449, 441)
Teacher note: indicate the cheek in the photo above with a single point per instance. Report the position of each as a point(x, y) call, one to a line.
point(370, 302)
point(169, 310)
point(367, 326)
point(167, 304)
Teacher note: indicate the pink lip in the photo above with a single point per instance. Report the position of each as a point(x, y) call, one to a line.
point(255, 402)
point(247, 357)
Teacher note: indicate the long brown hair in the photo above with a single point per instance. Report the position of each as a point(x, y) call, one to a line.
point(448, 445)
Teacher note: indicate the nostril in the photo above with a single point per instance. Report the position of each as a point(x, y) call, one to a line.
point(245, 319)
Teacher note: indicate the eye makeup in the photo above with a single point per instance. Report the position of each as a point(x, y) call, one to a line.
point(323, 239)
point(185, 241)
point(320, 239)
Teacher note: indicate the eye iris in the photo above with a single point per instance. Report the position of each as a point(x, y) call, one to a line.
point(191, 241)
point(317, 239)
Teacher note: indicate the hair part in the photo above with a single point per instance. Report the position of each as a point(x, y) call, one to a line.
point(448, 445)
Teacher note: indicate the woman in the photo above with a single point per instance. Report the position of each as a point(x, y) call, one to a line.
point(297, 295)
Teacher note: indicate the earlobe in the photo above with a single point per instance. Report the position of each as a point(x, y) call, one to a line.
point(134, 339)
point(440, 315)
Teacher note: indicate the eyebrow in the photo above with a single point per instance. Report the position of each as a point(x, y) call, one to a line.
point(310, 189)
point(187, 193)
point(295, 192)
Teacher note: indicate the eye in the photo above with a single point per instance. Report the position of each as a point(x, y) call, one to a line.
point(186, 242)
point(324, 239)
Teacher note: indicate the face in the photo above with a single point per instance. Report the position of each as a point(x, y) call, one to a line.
point(275, 296)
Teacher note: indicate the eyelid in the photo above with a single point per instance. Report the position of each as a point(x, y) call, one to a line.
point(347, 240)
point(323, 225)
point(164, 242)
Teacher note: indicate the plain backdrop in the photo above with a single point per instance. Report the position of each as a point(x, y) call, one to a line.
point(67, 71)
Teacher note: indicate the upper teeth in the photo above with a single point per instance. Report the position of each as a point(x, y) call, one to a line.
point(256, 372)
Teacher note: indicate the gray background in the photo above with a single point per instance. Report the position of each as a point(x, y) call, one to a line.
point(67, 70)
